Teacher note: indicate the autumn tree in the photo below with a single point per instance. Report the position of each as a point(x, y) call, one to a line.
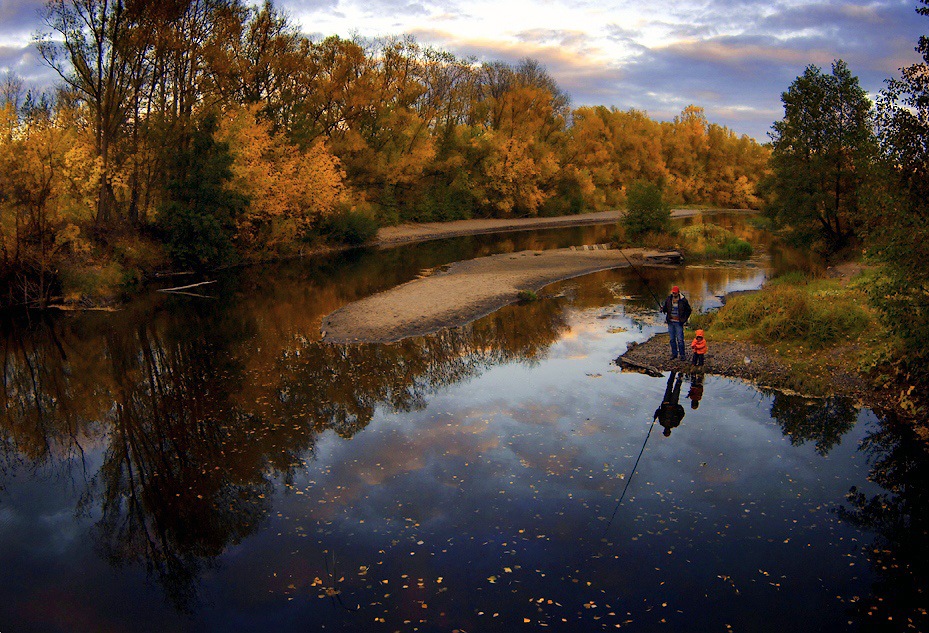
point(40, 206)
point(100, 53)
point(290, 190)
point(684, 146)
point(823, 150)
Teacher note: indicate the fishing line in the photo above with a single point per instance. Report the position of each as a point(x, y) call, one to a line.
point(644, 280)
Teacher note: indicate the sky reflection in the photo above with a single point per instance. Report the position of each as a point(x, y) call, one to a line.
point(465, 481)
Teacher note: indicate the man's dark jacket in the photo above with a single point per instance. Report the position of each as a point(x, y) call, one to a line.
point(683, 309)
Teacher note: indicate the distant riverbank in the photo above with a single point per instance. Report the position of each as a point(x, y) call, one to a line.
point(421, 232)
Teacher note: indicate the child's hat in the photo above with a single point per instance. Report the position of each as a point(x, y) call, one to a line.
point(699, 332)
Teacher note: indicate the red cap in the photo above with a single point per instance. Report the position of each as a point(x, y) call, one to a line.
point(675, 289)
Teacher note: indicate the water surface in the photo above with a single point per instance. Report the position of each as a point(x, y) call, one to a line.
point(208, 464)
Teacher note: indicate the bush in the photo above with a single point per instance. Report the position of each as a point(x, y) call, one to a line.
point(714, 242)
point(646, 211)
point(349, 225)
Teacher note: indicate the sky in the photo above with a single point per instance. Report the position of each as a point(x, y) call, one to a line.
point(734, 58)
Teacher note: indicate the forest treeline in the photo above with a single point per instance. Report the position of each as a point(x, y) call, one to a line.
point(207, 132)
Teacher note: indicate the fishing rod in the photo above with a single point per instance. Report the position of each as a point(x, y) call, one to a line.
point(631, 474)
point(644, 280)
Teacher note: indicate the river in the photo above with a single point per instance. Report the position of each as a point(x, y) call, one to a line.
point(208, 464)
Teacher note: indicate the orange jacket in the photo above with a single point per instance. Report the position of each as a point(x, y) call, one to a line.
point(699, 343)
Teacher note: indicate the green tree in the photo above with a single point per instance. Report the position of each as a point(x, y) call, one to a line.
point(898, 225)
point(823, 152)
point(646, 210)
point(198, 218)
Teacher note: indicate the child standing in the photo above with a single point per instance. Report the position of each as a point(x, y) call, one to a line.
point(699, 347)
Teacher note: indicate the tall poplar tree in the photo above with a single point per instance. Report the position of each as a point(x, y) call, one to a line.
point(823, 150)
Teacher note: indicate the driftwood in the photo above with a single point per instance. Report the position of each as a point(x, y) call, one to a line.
point(177, 289)
point(638, 367)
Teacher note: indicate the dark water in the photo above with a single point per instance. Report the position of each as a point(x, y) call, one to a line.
point(208, 465)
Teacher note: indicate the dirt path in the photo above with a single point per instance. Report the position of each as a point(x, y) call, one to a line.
point(465, 291)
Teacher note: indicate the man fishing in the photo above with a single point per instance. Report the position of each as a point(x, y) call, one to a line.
point(676, 309)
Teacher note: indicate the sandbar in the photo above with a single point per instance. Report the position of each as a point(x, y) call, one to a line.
point(465, 291)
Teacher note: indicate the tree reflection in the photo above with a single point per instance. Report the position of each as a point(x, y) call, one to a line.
point(181, 478)
point(338, 387)
point(49, 402)
point(196, 422)
point(899, 517)
point(820, 420)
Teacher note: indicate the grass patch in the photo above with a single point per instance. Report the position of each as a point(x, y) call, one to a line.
point(819, 313)
point(816, 326)
point(710, 241)
point(527, 296)
point(93, 283)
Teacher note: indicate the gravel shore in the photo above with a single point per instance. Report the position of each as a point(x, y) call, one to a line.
point(736, 359)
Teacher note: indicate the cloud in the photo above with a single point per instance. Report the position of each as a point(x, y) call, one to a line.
point(554, 37)
point(624, 36)
point(19, 19)
point(26, 62)
point(583, 71)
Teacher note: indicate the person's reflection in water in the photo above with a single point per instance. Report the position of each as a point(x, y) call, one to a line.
point(670, 413)
point(696, 390)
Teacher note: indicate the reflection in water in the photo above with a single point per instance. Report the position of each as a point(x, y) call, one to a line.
point(695, 395)
point(820, 420)
point(196, 428)
point(899, 518)
point(489, 451)
point(670, 413)
point(183, 476)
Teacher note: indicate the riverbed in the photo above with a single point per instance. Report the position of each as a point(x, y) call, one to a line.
point(210, 464)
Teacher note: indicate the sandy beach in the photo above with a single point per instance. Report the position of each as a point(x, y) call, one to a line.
point(468, 290)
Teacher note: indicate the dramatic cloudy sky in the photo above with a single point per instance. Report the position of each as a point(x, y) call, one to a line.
point(732, 57)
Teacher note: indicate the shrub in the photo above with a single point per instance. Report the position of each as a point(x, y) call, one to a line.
point(349, 225)
point(646, 211)
point(714, 242)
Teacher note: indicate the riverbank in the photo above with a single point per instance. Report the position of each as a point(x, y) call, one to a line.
point(408, 233)
point(814, 337)
point(467, 290)
point(752, 363)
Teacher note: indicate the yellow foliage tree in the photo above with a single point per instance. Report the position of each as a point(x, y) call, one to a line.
point(511, 181)
point(289, 189)
point(37, 225)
